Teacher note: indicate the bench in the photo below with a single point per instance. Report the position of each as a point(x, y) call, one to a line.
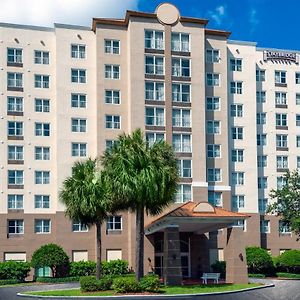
point(214, 276)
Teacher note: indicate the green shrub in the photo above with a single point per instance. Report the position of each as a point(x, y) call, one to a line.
point(82, 268)
point(150, 283)
point(256, 275)
point(126, 285)
point(52, 256)
point(91, 284)
point(8, 281)
point(14, 270)
point(56, 279)
point(115, 267)
point(288, 275)
point(219, 267)
point(105, 282)
point(259, 261)
point(289, 261)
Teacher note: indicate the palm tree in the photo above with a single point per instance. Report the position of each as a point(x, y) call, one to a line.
point(85, 195)
point(144, 179)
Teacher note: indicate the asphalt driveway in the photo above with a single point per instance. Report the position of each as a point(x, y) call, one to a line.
point(283, 290)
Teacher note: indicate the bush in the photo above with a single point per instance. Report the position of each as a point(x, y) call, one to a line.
point(288, 275)
point(256, 275)
point(115, 267)
point(8, 281)
point(56, 279)
point(91, 284)
point(289, 261)
point(259, 261)
point(52, 256)
point(150, 283)
point(82, 268)
point(219, 267)
point(14, 270)
point(105, 282)
point(126, 285)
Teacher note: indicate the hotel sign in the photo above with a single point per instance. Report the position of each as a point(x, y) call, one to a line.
point(281, 56)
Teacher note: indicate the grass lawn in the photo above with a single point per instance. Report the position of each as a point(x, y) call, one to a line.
point(190, 289)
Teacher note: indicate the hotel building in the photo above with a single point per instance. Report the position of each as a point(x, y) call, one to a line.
point(231, 111)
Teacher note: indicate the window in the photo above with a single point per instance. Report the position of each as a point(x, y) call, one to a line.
point(297, 120)
point(114, 223)
point(213, 79)
point(240, 223)
point(212, 55)
point(78, 75)
point(280, 77)
point(237, 133)
point(281, 119)
point(41, 81)
point(236, 87)
point(185, 168)
point(213, 103)
point(152, 137)
point(260, 75)
point(42, 105)
point(262, 205)
point(262, 161)
point(15, 177)
point(297, 78)
point(112, 71)
point(42, 129)
point(112, 46)
point(181, 92)
point(261, 118)
point(182, 142)
point(261, 97)
point(298, 162)
point(213, 150)
point(297, 99)
point(261, 139)
point(14, 80)
point(14, 128)
point(236, 110)
point(215, 198)
point(15, 201)
point(109, 144)
point(281, 140)
point(42, 177)
point(184, 193)
point(41, 201)
point(213, 127)
point(237, 178)
point(298, 141)
point(78, 125)
point(77, 51)
point(281, 181)
point(154, 90)
point(284, 228)
point(14, 104)
point(112, 122)
point(112, 97)
point(79, 149)
point(238, 201)
point(42, 153)
point(155, 116)
point(214, 175)
point(154, 39)
point(14, 55)
point(42, 226)
point(180, 67)
point(154, 65)
point(280, 98)
point(41, 57)
point(15, 226)
point(15, 152)
point(264, 226)
point(180, 42)
point(181, 117)
point(237, 155)
point(78, 100)
point(282, 162)
point(262, 182)
point(79, 227)
point(235, 64)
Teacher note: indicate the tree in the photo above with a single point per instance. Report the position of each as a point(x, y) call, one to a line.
point(52, 256)
point(144, 180)
point(259, 261)
point(287, 204)
point(86, 197)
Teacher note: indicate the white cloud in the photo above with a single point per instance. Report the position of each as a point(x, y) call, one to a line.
point(47, 12)
point(218, 14)
point(253, 19)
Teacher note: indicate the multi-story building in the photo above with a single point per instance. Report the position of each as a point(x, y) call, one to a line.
point(230, 110)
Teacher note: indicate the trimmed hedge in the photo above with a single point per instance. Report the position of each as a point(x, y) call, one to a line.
point(219, 267)
point(150, 283)
point(8, 281)
point(115, 267)
point(256, 275)
point(259, 261)
point(126, 285)
point(288, 275)
point(14, 270)
point(56, 279)
point(91, 284)
point(82, 268)
point(289, 261)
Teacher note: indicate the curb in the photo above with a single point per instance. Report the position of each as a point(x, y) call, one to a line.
point(145, 296)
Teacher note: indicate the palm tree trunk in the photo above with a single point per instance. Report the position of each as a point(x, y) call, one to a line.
point(139, 260)
point(98, 250)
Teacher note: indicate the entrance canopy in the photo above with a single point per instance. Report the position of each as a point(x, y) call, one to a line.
point(195, 217)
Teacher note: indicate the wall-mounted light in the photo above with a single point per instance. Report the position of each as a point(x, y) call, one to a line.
point(42, 42)
point(79, 36)
point(237, 51)
point(17, 41)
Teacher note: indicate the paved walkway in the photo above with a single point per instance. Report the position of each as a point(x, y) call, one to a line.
point(283, 290)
